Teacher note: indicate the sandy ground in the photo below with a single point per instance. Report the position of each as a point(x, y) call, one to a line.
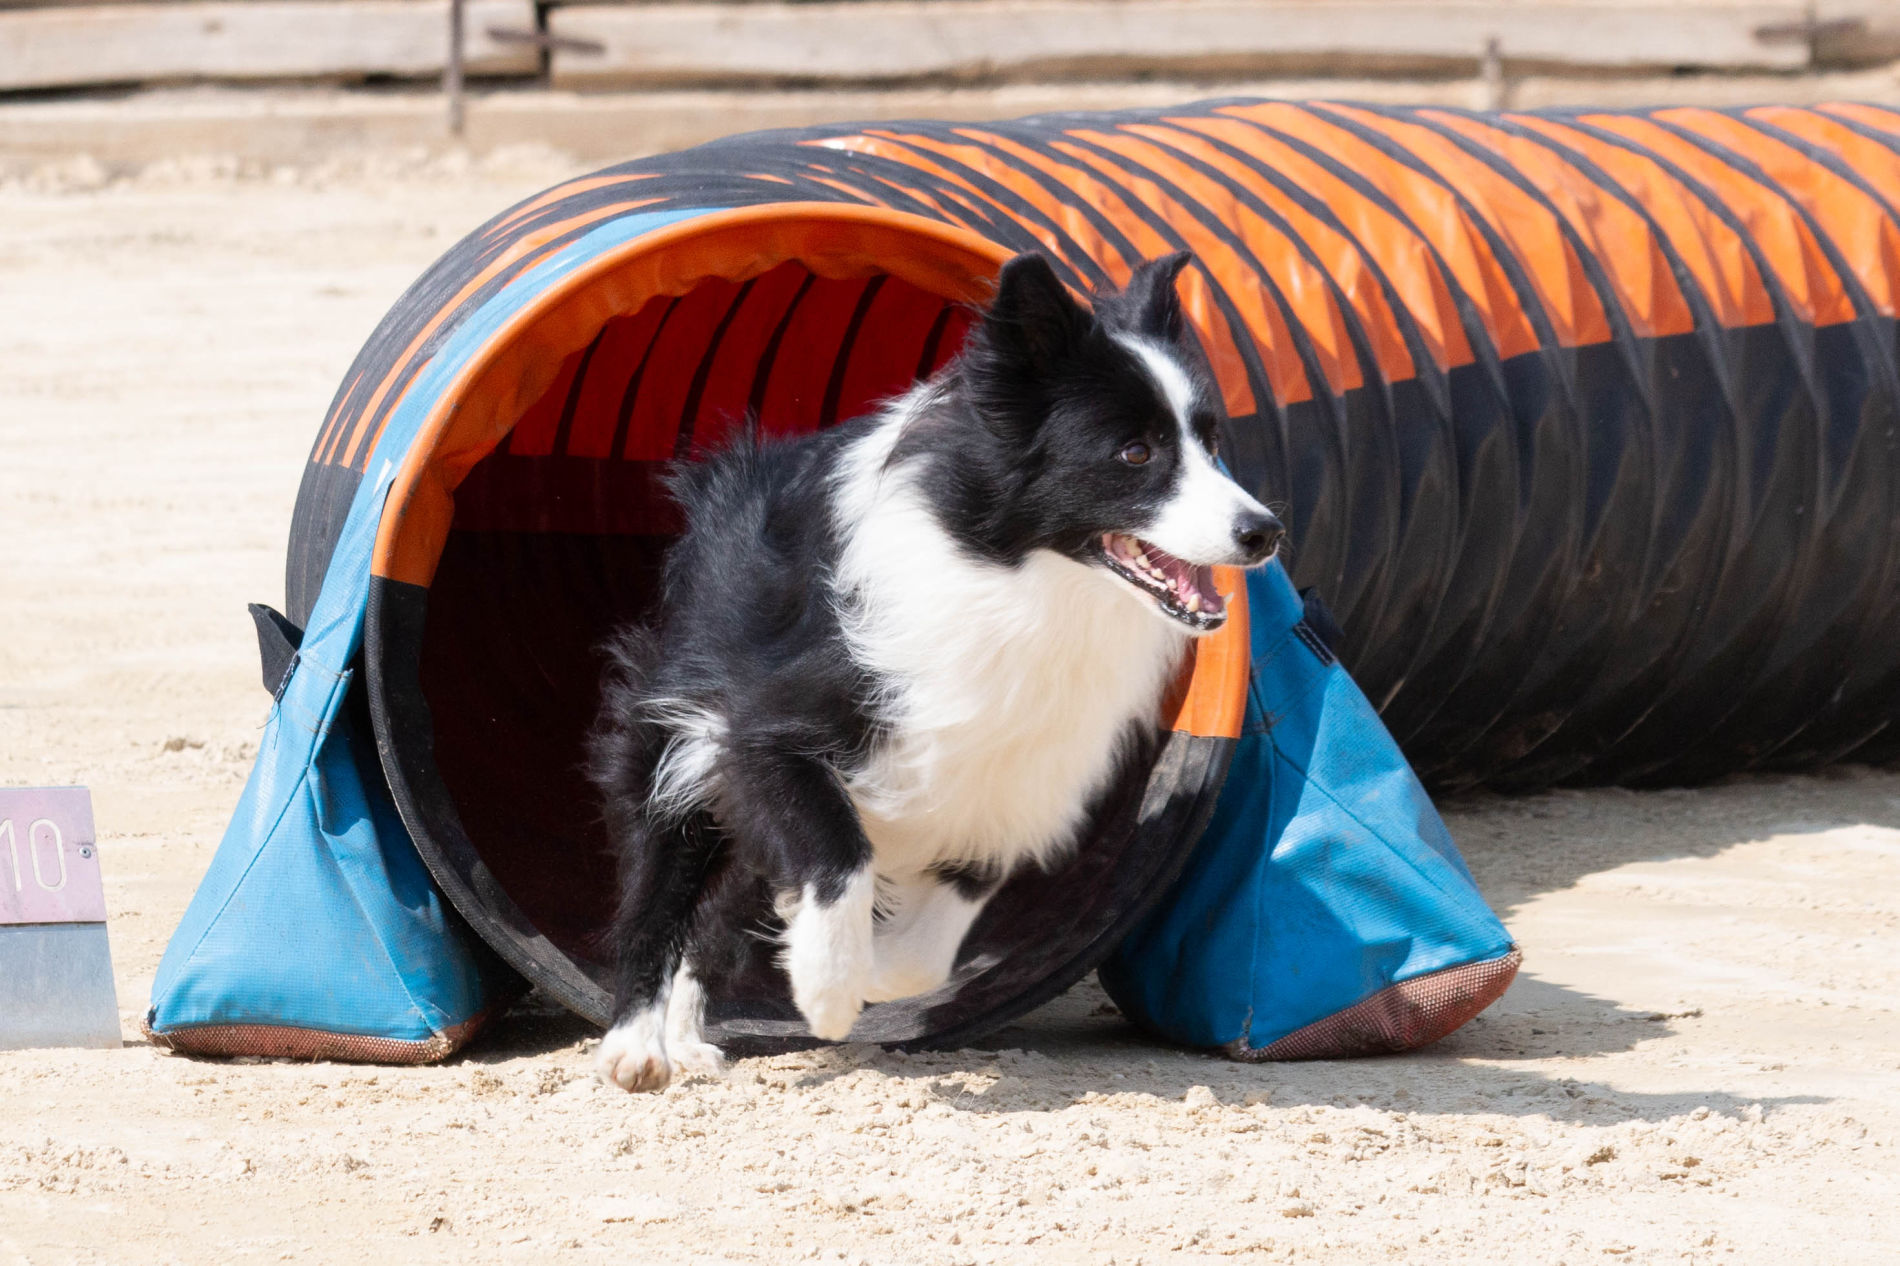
point(1700, 1063)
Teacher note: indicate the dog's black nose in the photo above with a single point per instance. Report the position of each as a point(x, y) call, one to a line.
point(1257, 536)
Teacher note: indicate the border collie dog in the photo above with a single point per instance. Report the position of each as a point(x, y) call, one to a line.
point(898, 659)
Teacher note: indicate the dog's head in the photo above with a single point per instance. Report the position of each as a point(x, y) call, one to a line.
point(1108, 422)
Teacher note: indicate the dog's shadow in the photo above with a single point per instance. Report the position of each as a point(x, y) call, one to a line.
point(1078, 1044)
point(1078, 1049)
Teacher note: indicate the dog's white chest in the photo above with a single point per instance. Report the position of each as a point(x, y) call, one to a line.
point(1009, 692)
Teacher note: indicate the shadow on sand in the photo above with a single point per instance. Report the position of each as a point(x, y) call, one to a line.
point(1519, 848)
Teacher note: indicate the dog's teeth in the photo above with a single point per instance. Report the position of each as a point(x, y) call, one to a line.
point(1194, 602)
point(1142, 559)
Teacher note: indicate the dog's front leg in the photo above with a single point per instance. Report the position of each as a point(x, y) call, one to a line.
point(797, 809)
point(828, 951)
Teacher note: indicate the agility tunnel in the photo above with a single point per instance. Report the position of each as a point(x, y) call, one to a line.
point(1584, 423)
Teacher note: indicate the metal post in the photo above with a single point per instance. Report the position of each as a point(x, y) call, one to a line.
point(1491, 74)
point(452, 71)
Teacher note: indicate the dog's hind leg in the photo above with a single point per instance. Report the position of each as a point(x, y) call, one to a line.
point(686, 1046)
point(793, 811)
point(663, 868)
point(731, 919)
point(916, 946)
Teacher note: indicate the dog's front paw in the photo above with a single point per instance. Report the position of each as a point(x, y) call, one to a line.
point(829, 1013)
point(828, 957)
point(829, 975)
point(633, 1054)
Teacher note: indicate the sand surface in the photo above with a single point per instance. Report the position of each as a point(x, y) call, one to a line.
point(1700, 1062)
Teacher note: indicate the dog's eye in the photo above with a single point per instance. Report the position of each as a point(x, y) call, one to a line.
point(1135, 453)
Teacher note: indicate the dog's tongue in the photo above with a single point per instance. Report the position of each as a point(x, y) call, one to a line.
point(1186, 578)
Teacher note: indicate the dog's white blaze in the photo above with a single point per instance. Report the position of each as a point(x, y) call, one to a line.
point(1197, 522)
point(1008, 690)
point(1169, 377)
point(828, 955)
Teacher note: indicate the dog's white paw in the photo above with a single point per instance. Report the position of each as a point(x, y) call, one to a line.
point(915, 950)
point(828, 957)
point(701, 1059)
point(829, 1013)
point(633, 1055)
point(686, 1045)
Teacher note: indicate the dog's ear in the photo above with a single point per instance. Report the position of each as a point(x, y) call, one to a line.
point(1034, 320)
point(1150, 300)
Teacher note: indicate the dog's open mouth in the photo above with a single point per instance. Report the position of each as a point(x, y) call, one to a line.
point(1184, 591)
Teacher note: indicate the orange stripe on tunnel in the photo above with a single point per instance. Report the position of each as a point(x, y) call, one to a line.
point(1713, 253)
point(1432, 217)
point(1529, 227)
point(1343, 262)
point(1861, 228)
point(1873, 162)
point(910, 149)
point(1788, 245)
point(1617, 237)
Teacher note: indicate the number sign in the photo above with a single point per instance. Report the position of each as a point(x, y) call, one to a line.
point(49, 862)
point(55, 963)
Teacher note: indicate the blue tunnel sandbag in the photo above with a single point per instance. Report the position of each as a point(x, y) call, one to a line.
point(318, 932)
point(1325, 910)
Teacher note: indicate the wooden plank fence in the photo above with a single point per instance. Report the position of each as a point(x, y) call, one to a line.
point(642, 45)
point(651, 44)
point(68, 46)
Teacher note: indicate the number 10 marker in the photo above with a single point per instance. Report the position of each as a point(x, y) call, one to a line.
point(55, 965)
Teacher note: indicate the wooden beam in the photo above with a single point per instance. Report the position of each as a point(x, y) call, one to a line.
point(68, 47)
point(1000, 40)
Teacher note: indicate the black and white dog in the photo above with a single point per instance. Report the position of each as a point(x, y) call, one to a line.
point(896, 660)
